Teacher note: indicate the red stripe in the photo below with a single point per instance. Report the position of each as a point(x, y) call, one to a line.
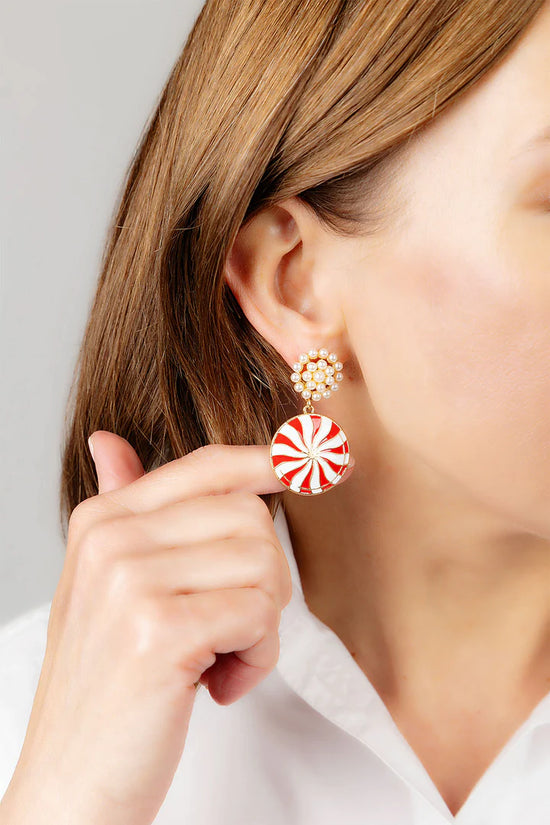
point(284, 439)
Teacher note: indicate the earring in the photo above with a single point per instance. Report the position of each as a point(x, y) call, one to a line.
point(310, 452)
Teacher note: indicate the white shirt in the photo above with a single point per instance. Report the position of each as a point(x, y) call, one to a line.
point(313, 743)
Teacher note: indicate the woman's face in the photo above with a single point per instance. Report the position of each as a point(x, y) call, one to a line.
point(448, 313)
point(443, 319)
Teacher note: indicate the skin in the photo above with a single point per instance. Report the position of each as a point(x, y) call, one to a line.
point(432, 563)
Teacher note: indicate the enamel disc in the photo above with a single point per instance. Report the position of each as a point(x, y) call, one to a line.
point(309, 453)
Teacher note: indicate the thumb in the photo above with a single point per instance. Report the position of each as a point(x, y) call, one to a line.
point(116, 461)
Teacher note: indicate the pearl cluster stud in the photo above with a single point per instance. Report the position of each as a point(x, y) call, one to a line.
point(317, 374)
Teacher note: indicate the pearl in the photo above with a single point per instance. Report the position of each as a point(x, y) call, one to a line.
point(326, 394)
point(316, 396)
point(297, 366)
point(329, 379)
point(321, 364)
point(323, 352)
point(306, 375)
point(306, 394)
point(295, 376)
point(321, 387)
point(313, 353)
point(303, 358)
point(334, 387)
point(311, 385)
point(333, 357)
point(338, 365)
point(298, 386)
point(312, 366)
point(319, 376)
point(329, 370)
point(339, 376)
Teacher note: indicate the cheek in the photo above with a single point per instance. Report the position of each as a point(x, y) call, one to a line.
point(455, 354)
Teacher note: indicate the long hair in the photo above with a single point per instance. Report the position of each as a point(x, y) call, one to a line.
point(266, 101)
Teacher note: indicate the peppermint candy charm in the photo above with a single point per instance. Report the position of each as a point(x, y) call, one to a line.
point(309, 453)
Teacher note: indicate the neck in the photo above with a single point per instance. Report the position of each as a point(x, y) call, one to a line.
point(424, 585)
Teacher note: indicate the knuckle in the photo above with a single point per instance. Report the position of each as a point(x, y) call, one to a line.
point(207, 452)
point(287, 584)
point(79, 519)
point(195, 616)
point(267, 613)
point(123, 577)
point(97, 544)
point(284, 579)
point(269, 567)
point(148, 622)
point(198, 643)
point(84, 517)
point(254, 506)
point(272, 569)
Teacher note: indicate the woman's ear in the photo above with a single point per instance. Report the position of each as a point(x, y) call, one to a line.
point(274, 270)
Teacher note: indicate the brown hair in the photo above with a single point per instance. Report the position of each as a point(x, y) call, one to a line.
point(266, 101)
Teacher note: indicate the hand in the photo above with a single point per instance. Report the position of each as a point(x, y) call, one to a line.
point(170, 578)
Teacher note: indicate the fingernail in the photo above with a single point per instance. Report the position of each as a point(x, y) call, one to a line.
point(91, 446)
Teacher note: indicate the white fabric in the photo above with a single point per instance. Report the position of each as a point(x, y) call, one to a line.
point(312, 743)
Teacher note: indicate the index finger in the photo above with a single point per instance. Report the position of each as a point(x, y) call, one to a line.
point(213, 469)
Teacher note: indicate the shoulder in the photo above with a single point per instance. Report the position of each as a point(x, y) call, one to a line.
point(22, 649)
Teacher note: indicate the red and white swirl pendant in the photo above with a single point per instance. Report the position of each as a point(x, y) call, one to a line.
point(309, 453)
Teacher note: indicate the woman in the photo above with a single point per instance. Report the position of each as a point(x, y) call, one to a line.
point(373, 179)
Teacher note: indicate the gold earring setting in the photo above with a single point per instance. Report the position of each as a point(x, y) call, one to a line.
point(309, 453)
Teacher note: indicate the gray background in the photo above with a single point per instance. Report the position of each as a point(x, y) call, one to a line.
point(77, 83)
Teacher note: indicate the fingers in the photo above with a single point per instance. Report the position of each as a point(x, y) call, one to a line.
point(205, 566)
point(207, 518)
point(117, 463)
point(205, 543)
point(213, 469)
point(240, 624)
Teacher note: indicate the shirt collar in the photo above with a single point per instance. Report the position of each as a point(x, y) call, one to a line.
point(316, 664)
